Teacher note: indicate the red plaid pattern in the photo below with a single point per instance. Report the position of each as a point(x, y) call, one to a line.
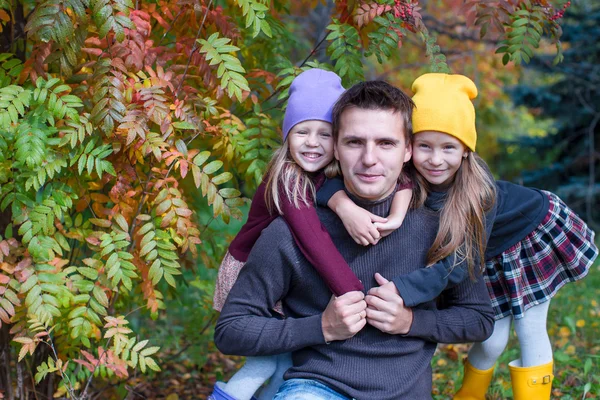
point(560, 250)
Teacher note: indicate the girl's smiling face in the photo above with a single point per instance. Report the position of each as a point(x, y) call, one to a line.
point(311, 144)
point(437, 156)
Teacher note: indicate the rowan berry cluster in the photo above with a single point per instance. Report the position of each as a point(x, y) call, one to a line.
point(560, 13)
point(402, 10)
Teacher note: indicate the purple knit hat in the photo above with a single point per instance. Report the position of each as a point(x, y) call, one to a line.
point(312, 96)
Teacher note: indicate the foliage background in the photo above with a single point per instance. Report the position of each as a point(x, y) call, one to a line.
point(133, 132)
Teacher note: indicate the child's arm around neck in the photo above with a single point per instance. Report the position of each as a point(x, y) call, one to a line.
point(364, 227)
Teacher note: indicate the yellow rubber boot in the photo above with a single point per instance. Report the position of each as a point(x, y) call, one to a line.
point(475, 383)
point(531, 383)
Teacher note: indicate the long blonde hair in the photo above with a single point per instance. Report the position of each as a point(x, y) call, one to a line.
point(463, 217)
point(286, 180)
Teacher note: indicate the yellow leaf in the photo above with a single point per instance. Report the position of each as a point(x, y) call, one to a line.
point(562, 342)
point(570, 350)
point(564, 331)
point(4, 16)
point(580, 323)
point(441, 362)
point(594, 303)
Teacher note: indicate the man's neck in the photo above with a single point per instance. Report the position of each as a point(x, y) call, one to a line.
point(380, 207)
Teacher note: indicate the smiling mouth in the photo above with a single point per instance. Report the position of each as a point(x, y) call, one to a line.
point(435, 171)
point(312, 156)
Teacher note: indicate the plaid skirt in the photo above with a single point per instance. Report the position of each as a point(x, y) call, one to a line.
point(228, 273)
point(561, 249)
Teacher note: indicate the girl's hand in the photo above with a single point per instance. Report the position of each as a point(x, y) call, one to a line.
point(360, 224)
point(385, 228)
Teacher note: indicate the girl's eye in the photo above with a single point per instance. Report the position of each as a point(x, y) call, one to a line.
point(325, 134)
point(301, 132)
point(449, 148)
point(423, 145)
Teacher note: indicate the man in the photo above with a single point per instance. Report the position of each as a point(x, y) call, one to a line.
point(353, 346)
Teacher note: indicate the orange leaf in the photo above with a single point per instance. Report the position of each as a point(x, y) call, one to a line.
point(4, 16)
point(10, 268)
point(100, 198)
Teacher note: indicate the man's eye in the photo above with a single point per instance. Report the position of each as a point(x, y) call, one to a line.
point(423, 146)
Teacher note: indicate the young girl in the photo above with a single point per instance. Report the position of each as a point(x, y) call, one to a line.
point(292, 177)
point(467, 211)
point(537, 243)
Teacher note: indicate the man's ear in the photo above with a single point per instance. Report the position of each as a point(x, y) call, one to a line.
point(408, 153)
point(335, 150)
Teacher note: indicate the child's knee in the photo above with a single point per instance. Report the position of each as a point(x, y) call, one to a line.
point(263, 366)
point(494, 346)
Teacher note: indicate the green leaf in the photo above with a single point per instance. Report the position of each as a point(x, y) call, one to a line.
point(201, 158)
point(212, 167)
point(222, 178)
point(184, 125)
point(520, 22)
point(100, 296)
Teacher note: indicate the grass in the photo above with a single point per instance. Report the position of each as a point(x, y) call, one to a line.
point(573, 325)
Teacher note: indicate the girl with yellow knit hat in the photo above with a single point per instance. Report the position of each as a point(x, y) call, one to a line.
point(537, 243)
point(527, 241)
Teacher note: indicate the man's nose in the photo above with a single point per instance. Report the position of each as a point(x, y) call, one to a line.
point(369, 157)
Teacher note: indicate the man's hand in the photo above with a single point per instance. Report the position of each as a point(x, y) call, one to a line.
point(344, 316)
point(386, 310)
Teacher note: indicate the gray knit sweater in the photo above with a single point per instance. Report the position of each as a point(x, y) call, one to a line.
point(372, 364)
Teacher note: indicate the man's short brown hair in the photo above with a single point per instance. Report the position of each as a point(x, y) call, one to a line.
point(374, 95)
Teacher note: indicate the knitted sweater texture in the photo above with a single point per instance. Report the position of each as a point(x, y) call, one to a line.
point(372, 364)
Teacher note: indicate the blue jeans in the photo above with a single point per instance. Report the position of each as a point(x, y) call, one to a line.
point(307, 389)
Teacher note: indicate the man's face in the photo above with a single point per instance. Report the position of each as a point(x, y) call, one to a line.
point(371, 149)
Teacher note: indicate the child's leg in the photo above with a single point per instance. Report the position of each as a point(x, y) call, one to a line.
point(284, 361)
point(251, 376)
point(483, 355)
point(533, 336)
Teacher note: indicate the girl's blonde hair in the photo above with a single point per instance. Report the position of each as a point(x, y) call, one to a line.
point(286, 178)
point(463, 217)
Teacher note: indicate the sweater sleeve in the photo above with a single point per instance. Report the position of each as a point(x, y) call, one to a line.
point(334, 185)
point(426, 284)
point(246, 325)
point(329, 188)
point(258, 219)
point(316, 245)
point(465, 313)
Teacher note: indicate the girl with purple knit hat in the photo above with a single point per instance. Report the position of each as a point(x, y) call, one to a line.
point(296, 171)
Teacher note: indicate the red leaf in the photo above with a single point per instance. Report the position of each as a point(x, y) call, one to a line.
point(183, 168)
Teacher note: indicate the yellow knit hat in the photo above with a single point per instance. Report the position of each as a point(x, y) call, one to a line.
point(443, 104)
